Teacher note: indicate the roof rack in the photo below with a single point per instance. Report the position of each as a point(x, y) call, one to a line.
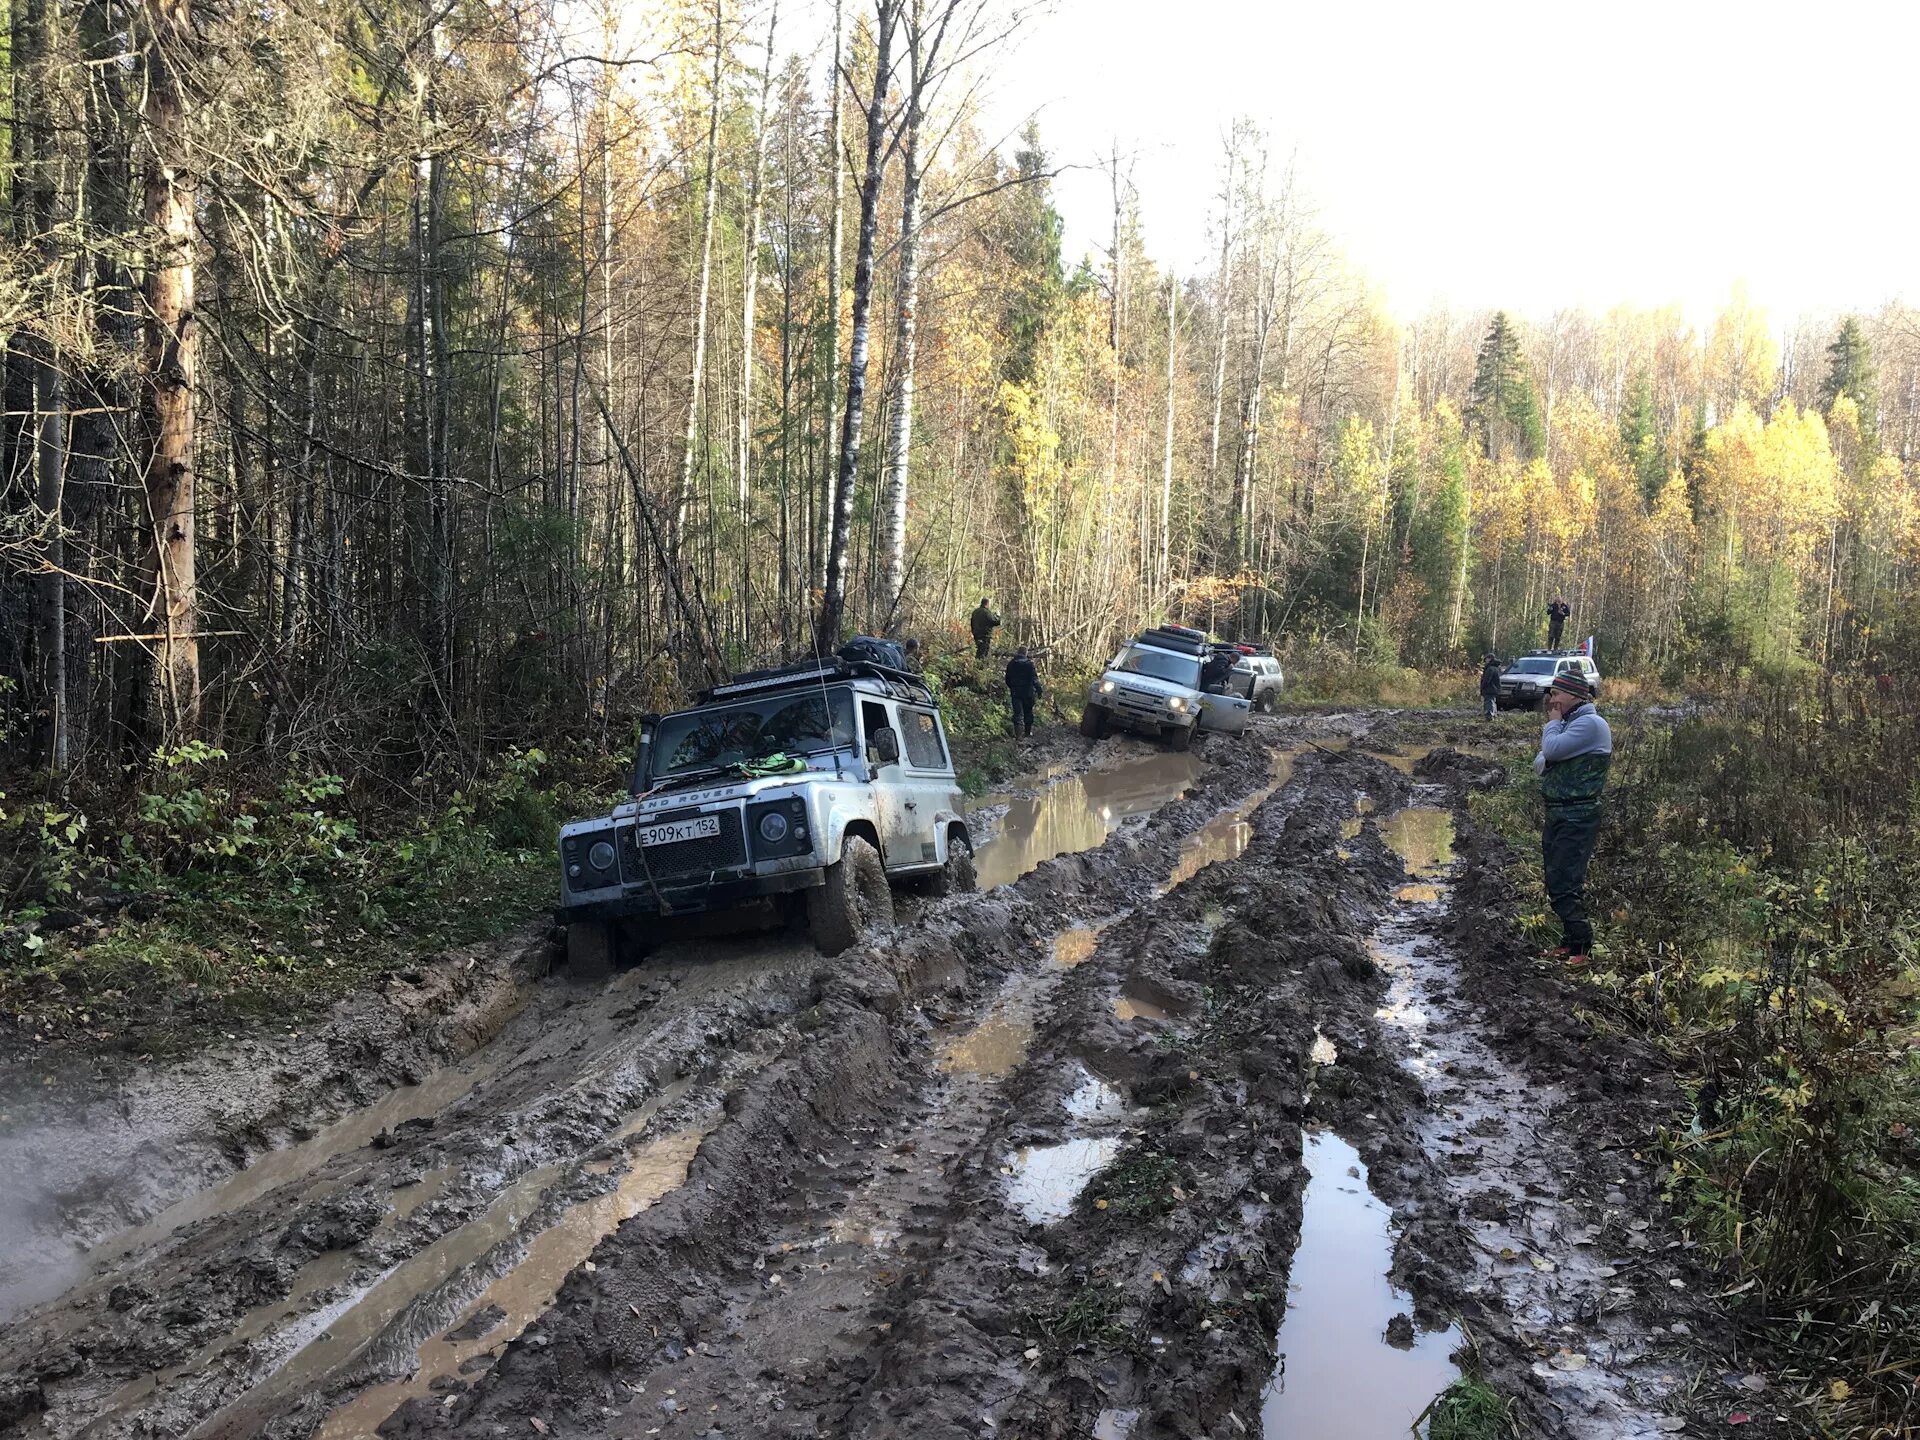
point(901, 684)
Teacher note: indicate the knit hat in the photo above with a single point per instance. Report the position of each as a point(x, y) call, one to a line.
point(1574, 684)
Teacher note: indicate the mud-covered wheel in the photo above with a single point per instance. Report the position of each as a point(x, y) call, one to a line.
point(957, 876)
point(1265, 703)
point(1093, 722)
point(1181, 739)
point(853, 903)
point(589, 949)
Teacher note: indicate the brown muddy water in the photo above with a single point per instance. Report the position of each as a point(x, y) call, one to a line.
point(1338, 1378)
point(1079, 812)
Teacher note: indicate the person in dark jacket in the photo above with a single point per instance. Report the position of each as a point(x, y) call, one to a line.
point(1490, 685)
point(1214, 673)
point(1557, 614)
point(1023, 688)
point(1576, 750)
point(983, 622)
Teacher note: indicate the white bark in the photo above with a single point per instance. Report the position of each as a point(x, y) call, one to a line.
point(706, 280)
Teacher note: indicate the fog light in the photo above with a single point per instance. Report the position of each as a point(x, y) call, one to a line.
point(573, 871)
point(773, 827)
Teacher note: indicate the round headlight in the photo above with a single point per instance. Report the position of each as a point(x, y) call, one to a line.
point(773, 827)
point(1106, 687)
point(600, 857)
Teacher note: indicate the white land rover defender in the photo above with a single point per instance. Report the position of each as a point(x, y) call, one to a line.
point(818, 784)
point(1153, 685)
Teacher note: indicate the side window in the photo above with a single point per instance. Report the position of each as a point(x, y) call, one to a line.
point(873, 718)
point(921, 741)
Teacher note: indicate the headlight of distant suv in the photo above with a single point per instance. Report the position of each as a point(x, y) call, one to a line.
point(779, 828)
point(1107, 687)
point(590, 860)
point(1176, 702)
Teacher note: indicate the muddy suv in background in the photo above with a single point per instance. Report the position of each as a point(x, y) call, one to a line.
point(1524, 683)
point(1153, 685)
point(811, 786)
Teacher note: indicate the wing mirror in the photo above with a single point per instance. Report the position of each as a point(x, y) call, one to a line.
point(643, 757)
point(884, 745)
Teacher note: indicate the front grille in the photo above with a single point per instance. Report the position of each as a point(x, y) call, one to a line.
point(1146, 705)
point(724, 851)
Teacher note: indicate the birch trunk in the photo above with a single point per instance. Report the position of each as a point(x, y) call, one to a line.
point(743, 460)
point(833, 602)
point(692, 436)
point(893, 502)
point(1161, 570)
point(168, 365)
point(836, 242)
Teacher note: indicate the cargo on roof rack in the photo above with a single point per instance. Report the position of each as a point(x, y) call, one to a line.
point(1177, 638)
point(817, 672)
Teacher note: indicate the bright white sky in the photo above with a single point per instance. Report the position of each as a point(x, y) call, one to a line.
point(1526, 153)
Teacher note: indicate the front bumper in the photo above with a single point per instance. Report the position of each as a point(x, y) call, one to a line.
point(689, 897)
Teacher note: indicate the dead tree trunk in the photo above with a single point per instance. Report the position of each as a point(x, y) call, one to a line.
point(830, 371)
point(743, 461)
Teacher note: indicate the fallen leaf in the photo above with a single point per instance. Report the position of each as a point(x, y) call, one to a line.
point(1739, 1417)
point(1567, 1360)
point(1672, 1424)
point(1839, 1391)
point(1099, 1204)
point(1033, 1352)
point(538, 1424)
point(1755, 1383)
point(1542, 1264)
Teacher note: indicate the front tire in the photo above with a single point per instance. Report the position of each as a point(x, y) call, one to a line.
point(1265, 703)
point(854, 902)
point(1182, 739)
point(1093, 721)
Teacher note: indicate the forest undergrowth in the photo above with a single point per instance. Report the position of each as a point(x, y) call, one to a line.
point(1756, 904)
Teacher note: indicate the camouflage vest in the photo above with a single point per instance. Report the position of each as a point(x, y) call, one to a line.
point(1578, 781)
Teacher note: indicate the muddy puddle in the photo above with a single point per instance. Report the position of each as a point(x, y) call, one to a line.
point(1422, 836)
point(1079, 812)
point(515, 1299)
point(1337, 1375)
point(32, 1273)
point(1132, 1007)
point(1045, 1180)
point(1227, 835)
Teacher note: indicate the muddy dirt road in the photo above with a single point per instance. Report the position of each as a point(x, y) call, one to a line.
point(1231, 1106)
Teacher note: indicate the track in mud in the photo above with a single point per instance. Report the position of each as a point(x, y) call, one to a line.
point(1033, 1166)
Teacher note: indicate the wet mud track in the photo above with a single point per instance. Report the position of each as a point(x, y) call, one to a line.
point(1034, 1165)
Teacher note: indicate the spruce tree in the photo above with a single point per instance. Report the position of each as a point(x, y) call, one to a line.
point(1501, 406)
point(1640, 437)
point(1850, 373)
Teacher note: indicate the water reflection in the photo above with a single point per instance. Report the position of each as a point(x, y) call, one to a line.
point(1079, 812)
point(1338, 1379)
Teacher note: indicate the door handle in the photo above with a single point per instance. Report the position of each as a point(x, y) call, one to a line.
point(910, 805)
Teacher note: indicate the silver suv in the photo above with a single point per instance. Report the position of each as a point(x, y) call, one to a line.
point(1524, 683)
point(1153, 685)
point(1259, 678)
point(812, 786)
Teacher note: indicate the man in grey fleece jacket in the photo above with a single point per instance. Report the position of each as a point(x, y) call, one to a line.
point(1576, 749)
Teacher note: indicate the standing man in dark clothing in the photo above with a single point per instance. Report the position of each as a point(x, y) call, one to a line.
point(1576, 749)
point(1214, 673)
point(983, 622)
point(1023, 686)
point(1557, 613)
point(1490, 684)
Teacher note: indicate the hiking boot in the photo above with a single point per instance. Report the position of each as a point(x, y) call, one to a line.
point(1558, 952)
point(1573, 960)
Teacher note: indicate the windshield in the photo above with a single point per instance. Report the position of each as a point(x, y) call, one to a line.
point(719, 736)
point(1533, 667)
point(1161, 664)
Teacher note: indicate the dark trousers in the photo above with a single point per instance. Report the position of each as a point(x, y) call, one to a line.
point(1553, 634)
point(1022, 714)
point(1566, 845)
point(1490, 705)
point(982, 644)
